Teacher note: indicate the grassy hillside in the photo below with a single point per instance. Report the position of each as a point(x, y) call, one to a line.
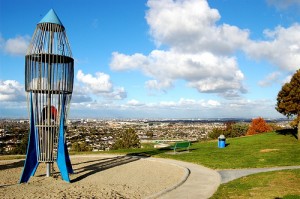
point(264, 150)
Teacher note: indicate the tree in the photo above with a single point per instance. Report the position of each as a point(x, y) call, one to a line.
point(288, 99)
point(127, 139)
point(258, 125)
point(81, 146)
point(22, 147)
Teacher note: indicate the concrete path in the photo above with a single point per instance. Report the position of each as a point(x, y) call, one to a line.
point(201, 182)
point(232, 174)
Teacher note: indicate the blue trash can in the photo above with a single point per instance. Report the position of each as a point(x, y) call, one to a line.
point(221, 141)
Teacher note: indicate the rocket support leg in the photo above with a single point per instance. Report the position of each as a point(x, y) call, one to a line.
point(31, 162)
point(63, 159)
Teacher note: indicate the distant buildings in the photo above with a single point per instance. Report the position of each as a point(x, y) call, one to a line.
point(100, 135)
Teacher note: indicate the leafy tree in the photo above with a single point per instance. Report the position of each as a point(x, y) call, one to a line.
point(232, 129)
point(127, 139)
point(22, 147)
point(81, 146)
point(258, 125)
point(215, 133)
point(239, 129)
point(288, 99)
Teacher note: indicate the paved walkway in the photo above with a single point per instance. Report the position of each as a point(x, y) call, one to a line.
point(232, 174)
point(201, 182)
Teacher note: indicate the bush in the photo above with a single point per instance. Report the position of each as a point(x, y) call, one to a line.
point(215, 133)
point(127, 139)
point(239, 129)
point(231, 130)
point(80, 146)
point(258, 125)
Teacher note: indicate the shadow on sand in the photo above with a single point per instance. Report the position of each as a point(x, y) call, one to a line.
point(12, 165)
point(101, 165)
point(146, 154)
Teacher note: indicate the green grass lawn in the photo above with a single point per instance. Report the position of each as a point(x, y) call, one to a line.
point(277, 184)
point(264, 150)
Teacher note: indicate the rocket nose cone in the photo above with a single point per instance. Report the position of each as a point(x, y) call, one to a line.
point(51, 17)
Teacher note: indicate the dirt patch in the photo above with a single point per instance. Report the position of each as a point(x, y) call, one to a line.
point(268, 150)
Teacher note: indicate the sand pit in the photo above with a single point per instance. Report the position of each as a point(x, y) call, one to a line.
point(95, 177)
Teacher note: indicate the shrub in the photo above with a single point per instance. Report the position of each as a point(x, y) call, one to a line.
point(215, 133)
point(231, 130)
point(239, 129)
point(258, 125)
point(127, 139)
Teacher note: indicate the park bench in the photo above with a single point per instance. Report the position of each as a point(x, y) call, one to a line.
point(181, 145)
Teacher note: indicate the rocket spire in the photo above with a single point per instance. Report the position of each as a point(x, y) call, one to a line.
point(51, 17)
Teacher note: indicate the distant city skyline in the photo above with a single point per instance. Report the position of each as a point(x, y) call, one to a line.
point(160, 58)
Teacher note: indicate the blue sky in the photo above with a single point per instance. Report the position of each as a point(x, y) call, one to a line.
point(160, 58)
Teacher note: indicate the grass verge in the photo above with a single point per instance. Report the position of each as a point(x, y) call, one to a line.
point(277, 184)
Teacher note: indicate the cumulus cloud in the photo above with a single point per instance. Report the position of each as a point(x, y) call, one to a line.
point(199, 51)
point(134, 102)
point(287, 79)
point(182, 104)
point(203, 71)
point(98, 84)
point(15, 46)
point(11, 91)
point(185, 108)
point(280, 4)
point(190, 26)
point(117, 94)
point(281, 47)
point(270, 79)
point(79, 95)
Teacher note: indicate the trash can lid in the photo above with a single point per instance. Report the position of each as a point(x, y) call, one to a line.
point(221, 137)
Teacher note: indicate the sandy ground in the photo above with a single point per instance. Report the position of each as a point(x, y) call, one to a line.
point(95, 177)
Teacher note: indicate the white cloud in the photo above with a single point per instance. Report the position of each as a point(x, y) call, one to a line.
point(198, 51)
point(203, 71)
point(122, 62)
point(282, 47)
point(116, 94)
point(79, 95)
point(283, 4)
point(99, 84)
point(182, 108)
point(287, 79)
point(201, 52)
point(11, 91)
point(15, 46)
point(270, 79)
point(190, 26)
point(134, 102)
point(159, 85)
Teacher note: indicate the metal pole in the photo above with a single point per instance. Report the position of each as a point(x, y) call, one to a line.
point(48, 166)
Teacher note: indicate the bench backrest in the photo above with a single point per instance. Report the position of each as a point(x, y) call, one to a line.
point(182, 144)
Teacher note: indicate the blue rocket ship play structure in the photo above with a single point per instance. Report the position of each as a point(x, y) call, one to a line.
point(49, 76)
